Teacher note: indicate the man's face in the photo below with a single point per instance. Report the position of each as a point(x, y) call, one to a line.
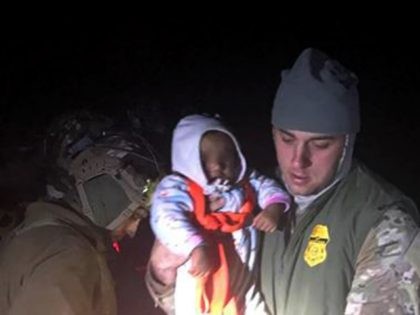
point(307, 160)
point(219, 157)
point(128, 227)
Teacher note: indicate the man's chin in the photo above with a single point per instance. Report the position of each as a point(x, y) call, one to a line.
point(298, 190)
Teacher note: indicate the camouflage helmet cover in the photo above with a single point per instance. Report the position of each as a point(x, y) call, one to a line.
point(114, 179)
point(105, 174)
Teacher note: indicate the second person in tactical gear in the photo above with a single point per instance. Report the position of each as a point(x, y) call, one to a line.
point(55, 262)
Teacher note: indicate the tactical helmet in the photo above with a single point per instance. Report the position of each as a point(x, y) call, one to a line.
point(105, 174)
point(114, 179)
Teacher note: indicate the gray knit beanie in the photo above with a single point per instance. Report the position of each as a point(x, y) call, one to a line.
point(317, 95)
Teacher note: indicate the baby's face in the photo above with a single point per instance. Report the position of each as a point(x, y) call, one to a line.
point(219, 157)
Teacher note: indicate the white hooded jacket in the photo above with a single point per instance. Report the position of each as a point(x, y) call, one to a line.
point(172, 204)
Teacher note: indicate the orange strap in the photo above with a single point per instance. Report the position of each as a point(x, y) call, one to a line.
point(213, 292)
point(213, 295)
point(226, 222)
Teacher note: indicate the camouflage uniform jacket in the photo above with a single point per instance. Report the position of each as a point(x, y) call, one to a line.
point(355, 251)
point(54, 263)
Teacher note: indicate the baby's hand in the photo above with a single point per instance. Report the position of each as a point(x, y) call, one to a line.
point(201, 262)
point(215, 202)
point(267, 220)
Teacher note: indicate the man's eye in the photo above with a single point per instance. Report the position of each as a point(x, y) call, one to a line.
point(287, 140)
point(321, 144)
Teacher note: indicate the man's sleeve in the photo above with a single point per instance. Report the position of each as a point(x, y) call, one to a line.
point(386, 279)
point(64, 283)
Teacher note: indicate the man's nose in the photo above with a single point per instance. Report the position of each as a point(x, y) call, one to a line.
point(301, 156)
point(132, 228)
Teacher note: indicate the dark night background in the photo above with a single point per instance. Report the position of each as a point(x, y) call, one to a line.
point(162, 71)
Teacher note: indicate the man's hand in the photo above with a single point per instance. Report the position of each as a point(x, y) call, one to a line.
point(267, 220)
point(201, 262)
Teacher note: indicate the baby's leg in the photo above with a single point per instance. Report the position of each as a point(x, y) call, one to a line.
point(164, 263)
point(161, 276)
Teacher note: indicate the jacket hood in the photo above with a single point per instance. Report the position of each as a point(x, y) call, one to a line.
point(186, 146)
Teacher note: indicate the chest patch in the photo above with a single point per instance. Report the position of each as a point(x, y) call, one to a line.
point(316, 250)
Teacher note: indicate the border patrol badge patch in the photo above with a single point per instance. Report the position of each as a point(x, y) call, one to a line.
point(316, 250)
